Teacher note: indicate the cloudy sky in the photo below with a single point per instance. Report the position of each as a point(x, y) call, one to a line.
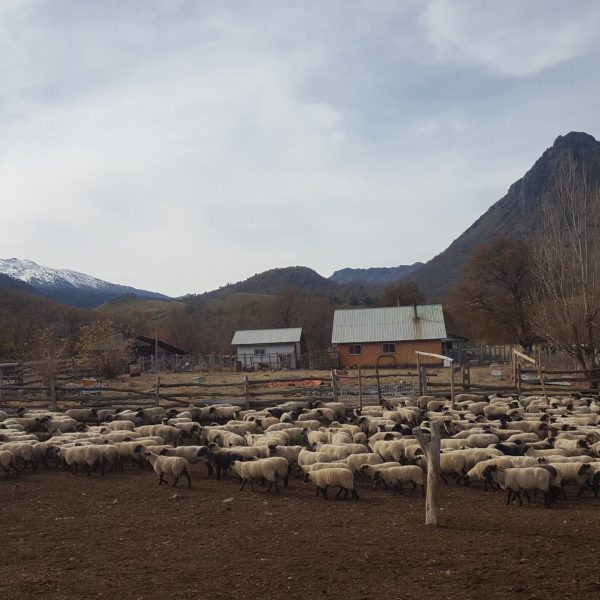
point(179, 145)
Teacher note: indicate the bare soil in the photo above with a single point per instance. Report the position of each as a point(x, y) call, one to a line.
point(122, 536)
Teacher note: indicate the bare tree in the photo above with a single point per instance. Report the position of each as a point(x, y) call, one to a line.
point(492, 300)
point(566, 265)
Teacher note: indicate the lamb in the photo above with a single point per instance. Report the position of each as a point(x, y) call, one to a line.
point(7, 462)
point(169, 465)
point(270, 469)
point(396, 476)
point(524, 479)
point(334, 477)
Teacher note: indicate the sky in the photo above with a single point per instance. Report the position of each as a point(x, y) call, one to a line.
point(178, 145)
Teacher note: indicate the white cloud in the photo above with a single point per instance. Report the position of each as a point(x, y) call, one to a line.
point(511, 37)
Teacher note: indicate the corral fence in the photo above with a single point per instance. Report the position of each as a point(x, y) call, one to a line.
point(209, 363)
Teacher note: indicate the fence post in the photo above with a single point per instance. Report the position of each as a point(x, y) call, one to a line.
point(518, 382)
point(423, 379)
point(419, 380)
point(52, 394)
point(360, 394)
point(379, 396)
point(247, 391)
point(452, 385)
point(431, 448)
point(157, 398)
point(334, 385)
point(1, 383)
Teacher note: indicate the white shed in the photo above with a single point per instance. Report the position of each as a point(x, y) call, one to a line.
point(274, 348)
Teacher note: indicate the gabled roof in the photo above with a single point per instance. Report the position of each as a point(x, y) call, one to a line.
point(393, 324)
point(251, 337)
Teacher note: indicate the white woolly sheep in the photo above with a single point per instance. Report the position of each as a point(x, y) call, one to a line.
point(525, 479)
point(335, 477)
point(169, 465)
point(7, 462)
point(269, 469)
point(396, 476)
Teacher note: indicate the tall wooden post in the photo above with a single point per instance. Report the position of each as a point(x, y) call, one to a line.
point(52, 394)
point(334, 385)
point(379, 396)
point(431, 448)
point(157, 396)
point(452, 385)
point(518, 383)
point(360, 394)
point(420, 381)
point(247, 391)
point(541, 376)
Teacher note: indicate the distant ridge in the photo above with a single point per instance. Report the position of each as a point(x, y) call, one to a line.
point(375, 275)
point(68, 287)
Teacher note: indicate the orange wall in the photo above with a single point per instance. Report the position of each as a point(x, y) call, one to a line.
point(405, 353)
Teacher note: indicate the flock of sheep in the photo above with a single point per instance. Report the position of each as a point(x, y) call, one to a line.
point(522, 445)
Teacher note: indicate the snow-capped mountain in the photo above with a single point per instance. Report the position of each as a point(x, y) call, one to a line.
point(69, 287)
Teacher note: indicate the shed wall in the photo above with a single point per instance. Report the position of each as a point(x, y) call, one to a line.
point(405, 353)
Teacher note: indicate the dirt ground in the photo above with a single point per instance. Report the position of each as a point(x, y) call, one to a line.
point(122, 536)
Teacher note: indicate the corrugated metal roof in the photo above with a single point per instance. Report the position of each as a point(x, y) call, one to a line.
point(249, 337)
point(393, 324)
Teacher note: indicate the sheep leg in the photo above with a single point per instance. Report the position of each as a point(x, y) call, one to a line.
point(270, 486)
point(324, 492)
point(339, 493)
point(243, 484)
point(160, 479)
point(508, 497)
point(519, 497)
point(189, 480)
point(175, 482)
point(443, 478)
point(276, 486)
point(210, 470)
point(354, 494)
point(564, 495)
point(285, 481)
point(414, 487)
point(527, 496)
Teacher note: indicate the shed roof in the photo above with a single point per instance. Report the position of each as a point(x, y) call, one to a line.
point(393, 324)
point(250, 337)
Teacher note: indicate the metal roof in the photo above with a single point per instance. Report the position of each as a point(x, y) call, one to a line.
point(251, 337)
point(393, 324)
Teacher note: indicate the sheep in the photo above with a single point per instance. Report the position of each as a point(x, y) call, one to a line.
point(81, 456)
point(7, 462)
point(307, 457)
point(270, 469)
point(524, 479)
point(396, 476)
point(120, 426)
point(573, 472)
point(23, 453)
point(169, 465)
point(481, 440)
point(220, 460)
point(315, 438)
point(370, 470)
point(324, 465)
point(356, 461)
point(223, 412)
point(475, 473)
point(290, 453)
point(83, 415)
point(342, 450)
point(334, 477)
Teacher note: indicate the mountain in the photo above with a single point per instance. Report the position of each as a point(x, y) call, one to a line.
point(276, 280)
point(10, 283)
point(375, 275)
point(516, 215)
point(68, 287)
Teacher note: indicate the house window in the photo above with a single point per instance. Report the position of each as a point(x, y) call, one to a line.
point(389, 348)
point(259, 351)
point(354, 349)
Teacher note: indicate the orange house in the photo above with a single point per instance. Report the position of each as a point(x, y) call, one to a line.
point(388, 336)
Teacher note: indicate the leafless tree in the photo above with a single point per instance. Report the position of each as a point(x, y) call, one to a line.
point(566, 264)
